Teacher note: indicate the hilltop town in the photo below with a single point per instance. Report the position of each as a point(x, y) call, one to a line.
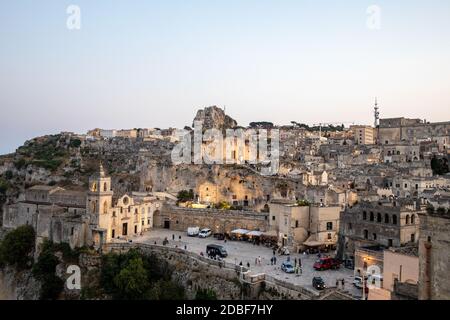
point(375, 198)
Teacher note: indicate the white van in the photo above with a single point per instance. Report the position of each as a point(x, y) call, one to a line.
point(193, 231)
point(204, 233)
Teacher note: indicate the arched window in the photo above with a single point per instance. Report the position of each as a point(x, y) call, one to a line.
point(374, 236)
point(94, 186)
point(364, 215)
point(413, 219)
point(105, 187)
point(371, 216)
point(136, 211)
point(94, 206)
point(366, 234)
point(386, 218)
point(407, 219)
point(394, 219)
point(105, 207)
point(378, 217)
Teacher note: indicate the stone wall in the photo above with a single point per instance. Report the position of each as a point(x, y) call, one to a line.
point(219, 221)
point(194, 272)
point(434, 257)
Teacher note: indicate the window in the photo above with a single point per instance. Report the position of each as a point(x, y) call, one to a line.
point(378, 217)
point(105, 207)
point(350, 226)
point(105, 187)
point(394, 219)
point(371, 216)
point(113, 233)
point(329, 236)
point(273, 218)
point(143, 221)
point(28, 210)
point(413, 219)
point(329, 225)
point(71, 231)
point(407, 219)
point(135, 229)
point(374, 236)
point(390, 242)
point(413, 237)
point(296, 223)
point(364, 215)
point(366, 234)
point(386, 218)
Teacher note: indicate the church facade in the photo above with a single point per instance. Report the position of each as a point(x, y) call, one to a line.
point(90, 218)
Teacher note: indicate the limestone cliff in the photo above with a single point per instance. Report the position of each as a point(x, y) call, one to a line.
point(215, 117)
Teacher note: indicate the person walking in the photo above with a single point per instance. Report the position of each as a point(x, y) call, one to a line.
point(256, 261)
point(173, 237)
point(275, 260)
point(259, 260)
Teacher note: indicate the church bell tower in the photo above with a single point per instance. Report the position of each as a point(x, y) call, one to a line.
point(99, 199)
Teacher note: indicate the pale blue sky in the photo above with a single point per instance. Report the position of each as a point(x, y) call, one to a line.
point(154, 63)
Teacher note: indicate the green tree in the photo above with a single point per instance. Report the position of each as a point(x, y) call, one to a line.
point(131, 281)
point(185, 195)
point(75, 143)
point(439, 166)
point(223, 205)
point(17, 246)
point(205, 294)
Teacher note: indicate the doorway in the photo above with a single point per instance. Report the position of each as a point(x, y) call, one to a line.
point(166, 224)
point(124, 229)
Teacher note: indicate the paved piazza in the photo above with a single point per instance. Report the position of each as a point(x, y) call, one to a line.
point(246, 252)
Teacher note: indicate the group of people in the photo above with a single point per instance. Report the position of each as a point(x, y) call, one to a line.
point(341, 281)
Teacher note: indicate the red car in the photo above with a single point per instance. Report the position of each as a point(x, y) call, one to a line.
point(326, 263)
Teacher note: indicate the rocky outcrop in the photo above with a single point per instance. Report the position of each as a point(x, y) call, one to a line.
point(18, 285)
point(214, 117)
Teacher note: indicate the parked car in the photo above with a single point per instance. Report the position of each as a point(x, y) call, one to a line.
point(326, 263)
point(358, 281)
point(287, 267)
point(214, 250)
point(193, 231)
point(318, 283)
point(204, 233)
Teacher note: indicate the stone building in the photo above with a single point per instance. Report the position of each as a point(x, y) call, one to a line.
point(363, 135)
point(400, 275)
point(82, 218)
point(386, 223)
point(300, 227)
point(434, 256)
point(395, 130)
